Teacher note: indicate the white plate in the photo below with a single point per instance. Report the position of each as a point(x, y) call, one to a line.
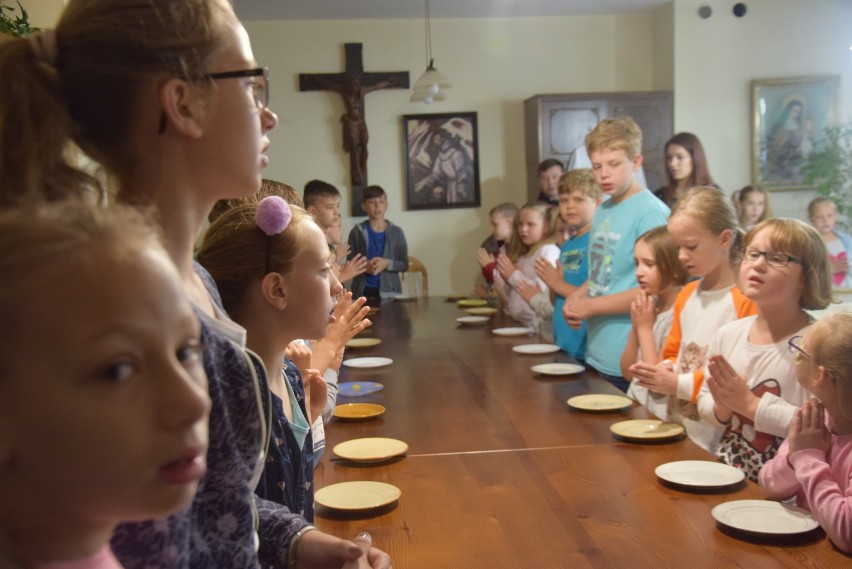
point(363, 342)
point(367, 362)
point(764, 517)
point(513, 331)
point(535, 348)
point(646, 429)
point(600, 402)
point(372, 449)
point(354, 496)
point(404, 297)
point(472, 319)
point(699, 473)
point(557, 369)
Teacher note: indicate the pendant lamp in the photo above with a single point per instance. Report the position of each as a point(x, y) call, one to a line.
point(432, 85)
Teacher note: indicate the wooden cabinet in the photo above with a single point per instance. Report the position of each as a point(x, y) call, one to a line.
point(556, 125)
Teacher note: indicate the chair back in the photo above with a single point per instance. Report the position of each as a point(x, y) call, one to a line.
point(415, 281)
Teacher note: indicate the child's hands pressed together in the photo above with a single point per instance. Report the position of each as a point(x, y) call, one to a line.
point(808, 430)
point(505, 266)
point(730, 390)
point(341, 252)
point(528, 290)
point(576, 309)
point(300, 354)
point(839, 264)
point(659, 377)
point(548, 272)
point(643, 311)
point(484, 258)
point(376, 265)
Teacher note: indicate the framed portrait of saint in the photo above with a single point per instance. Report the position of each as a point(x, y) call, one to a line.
point(441, 160)
point(790, 116)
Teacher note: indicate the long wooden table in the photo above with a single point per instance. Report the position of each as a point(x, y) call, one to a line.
point(501, 472)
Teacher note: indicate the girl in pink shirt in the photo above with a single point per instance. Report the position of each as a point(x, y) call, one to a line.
point(814, 463)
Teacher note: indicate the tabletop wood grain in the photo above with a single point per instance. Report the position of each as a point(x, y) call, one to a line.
point(500, 472)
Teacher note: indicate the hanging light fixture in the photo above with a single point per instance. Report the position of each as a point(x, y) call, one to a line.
point(431, 85)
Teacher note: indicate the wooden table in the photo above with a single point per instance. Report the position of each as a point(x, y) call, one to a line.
point(502, 473)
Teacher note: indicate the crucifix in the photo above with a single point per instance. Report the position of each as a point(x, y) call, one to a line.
point(352, 85)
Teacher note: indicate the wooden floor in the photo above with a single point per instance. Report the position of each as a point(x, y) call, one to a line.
point(501, 473)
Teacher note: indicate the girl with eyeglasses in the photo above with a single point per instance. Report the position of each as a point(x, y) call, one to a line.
point(751, 389)
point(704, 228)
point(167, 98)
point(814, 461)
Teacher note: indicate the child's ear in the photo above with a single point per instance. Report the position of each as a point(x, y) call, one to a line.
point(273, 286)
point(182, 107)
point(637, 162)
point(726, 237)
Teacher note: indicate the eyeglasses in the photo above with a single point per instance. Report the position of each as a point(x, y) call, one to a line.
point(794, 344)
point(259, 88)
point(773, 258)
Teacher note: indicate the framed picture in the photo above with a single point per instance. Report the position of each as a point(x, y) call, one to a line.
point(790, 116)
point(441, 160)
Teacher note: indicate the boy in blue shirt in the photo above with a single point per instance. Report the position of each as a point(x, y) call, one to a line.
point(383, 244)
point(603, 302)
point(579, 198)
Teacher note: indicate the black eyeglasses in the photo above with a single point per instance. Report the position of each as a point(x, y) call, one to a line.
point(259, 88)
point(794, 344)
point(773, 258)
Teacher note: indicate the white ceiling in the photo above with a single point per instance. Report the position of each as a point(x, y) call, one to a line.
point(249, 10)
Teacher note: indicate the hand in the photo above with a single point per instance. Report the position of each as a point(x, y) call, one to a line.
point(730, 390)
point(484, 258)
point(334, 235)
point(319, 550)
point(528, 290)
point(481, 291)
point(342, 251)
point(505, 266)
point(643, 311)
point(839, 265)
point(349, 318)
point(316, 393)
point(808, 428)
point(576, 309)
point(300, 353)
point(376, 265)
point(658, 378)
point(500, 290)
point(352, 268)
point(548, 272)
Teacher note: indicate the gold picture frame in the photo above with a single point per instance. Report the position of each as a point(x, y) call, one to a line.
point(790, 116)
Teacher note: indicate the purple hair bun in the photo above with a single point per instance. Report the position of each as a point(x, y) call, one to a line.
point(273, 215)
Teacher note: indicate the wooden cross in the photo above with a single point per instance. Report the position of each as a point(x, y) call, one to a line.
point(352, 85)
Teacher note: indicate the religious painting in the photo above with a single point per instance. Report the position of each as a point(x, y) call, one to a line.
point(441, 160)
point(790, 116)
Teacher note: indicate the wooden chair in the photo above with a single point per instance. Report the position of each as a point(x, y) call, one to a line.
point(415, 281)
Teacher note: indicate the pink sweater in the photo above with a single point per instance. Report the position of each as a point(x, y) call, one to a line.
point(821, 483)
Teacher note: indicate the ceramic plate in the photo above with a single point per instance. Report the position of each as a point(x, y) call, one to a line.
point(535, 348)
point(363, 342)
point(373, 449)
point(367, 362)
point(558, 369)
point(646, 429)
point(512, 331)
point(353, 496)
point(404, 297)
point(472, 319)
point(356, 388)
point(764, 517)
point(482, 310)
point(470, 302)
point(699, 473)
point(600, 402)
point(358, 411)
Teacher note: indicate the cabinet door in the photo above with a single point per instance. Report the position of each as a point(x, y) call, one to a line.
point(556, 126)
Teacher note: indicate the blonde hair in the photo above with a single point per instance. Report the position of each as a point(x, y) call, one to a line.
point(831, 347)
point(516, 248)
point(620, 133)
point(740, 196)
point(108, 52)
point(267, 188)
point(714, 211)
point(235, 251)
point(580, 180)
point(672, 271)
point(43, 243)
point(800, 240)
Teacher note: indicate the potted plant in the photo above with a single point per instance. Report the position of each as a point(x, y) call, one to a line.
point(13, 24)
point(830, 171)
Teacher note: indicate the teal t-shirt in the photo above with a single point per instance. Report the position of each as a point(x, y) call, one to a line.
point(574, 260)
point(611, 269)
